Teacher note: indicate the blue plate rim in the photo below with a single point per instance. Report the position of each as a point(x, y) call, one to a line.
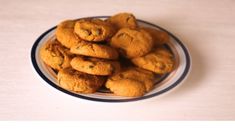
point(181, 78)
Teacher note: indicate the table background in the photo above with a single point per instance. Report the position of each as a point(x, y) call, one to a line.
point(207, 27)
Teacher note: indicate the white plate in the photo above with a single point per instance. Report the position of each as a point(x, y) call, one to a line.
point(166, 83)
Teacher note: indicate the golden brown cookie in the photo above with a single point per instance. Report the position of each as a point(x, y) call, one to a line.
point(65, 33)
point(132, 82)
point(159, 61)
point(79, 82)
point(93, 30)
point(132, 42)
point(94, 50)
point(55, 55)
point(159, 37)
point(123, 20)
point(95, 66)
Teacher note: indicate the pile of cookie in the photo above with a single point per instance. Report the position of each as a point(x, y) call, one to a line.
point(116, 53)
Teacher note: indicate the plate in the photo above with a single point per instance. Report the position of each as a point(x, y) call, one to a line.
point(166, 83)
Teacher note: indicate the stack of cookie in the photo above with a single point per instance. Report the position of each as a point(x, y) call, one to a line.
point(115, 52)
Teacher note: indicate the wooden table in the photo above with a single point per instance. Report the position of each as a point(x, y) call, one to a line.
point(206, 27)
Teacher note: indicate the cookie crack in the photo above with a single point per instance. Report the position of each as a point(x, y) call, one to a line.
point(93, 49)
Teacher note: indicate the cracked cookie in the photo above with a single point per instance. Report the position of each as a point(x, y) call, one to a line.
point(55, 55)
point(93, 30)
point(95, 66)
point(123, 20)
point(160, 61)
point(131, 82)
point(132, 43)
point(159, 37)
point(65, 33)
point(79, 82)
point(95, 50)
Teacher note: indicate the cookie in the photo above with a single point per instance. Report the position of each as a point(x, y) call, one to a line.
point(65, 33)
point(123, 20)
point(132, 43)
point(95, 66)
point(159, 37)
point(55, 55)
point(93, 30)
point(131, 82)
point(160, 61)
point(79, 82)
point(95, 50)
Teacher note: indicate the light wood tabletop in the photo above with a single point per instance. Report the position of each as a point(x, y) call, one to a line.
point(206, 27)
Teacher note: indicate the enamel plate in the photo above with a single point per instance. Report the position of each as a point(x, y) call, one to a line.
point(162, 85)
